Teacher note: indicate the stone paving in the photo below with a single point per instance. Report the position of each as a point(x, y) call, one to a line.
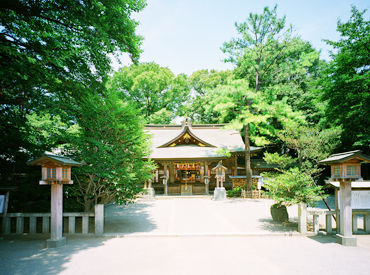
point(196, 216)
point(189, 236)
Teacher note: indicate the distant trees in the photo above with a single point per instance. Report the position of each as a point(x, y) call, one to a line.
point(156, 92)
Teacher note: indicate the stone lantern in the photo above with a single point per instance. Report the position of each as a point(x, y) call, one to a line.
point(220, 192)
point(55, 171)
point(345, 169)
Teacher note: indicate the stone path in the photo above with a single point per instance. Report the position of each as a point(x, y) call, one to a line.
point(189, 236)
point(195, 216)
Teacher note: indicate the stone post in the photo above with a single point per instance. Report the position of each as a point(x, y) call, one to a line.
point(99, 219)
point(345, 237)
point(329, 227)
point(56, 238)
point(302, 218)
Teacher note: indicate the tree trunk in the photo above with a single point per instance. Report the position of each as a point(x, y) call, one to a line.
point(248, 170)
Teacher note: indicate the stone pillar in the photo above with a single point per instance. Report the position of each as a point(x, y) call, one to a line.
point(354, 223)
point(166, 179)
point(367, 223)
point(56, 238)
point(329, 227)
point(99, 219)
point(302, 218)
point(345, 237)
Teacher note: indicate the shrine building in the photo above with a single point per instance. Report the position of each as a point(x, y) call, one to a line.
point(185, 155)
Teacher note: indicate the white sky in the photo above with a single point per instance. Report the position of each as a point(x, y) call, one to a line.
point(186, 35)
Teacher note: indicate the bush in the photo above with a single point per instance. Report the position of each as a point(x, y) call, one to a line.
point(292, 186)
point(235, 192)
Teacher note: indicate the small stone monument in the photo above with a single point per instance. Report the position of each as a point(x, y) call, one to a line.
point(148, 190)
point(206, 182)
point(56, 171)
point(220, 192)
point(164, 178)
point(345, 169)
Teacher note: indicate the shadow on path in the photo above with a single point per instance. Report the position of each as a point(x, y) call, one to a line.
point(272, 226)
point(129, 218)
point(24, 256)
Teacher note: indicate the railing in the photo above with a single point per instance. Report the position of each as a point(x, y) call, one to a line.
point(304, 214)
point(41, 221)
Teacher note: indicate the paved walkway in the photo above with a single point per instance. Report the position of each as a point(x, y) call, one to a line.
point(189, 236)
point(187, 256)
point(196, 216)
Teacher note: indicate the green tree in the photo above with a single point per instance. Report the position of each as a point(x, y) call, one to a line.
point(265, 115)
point(53, 53)
point(347, 82)
point(200, 82)
point(112, 144)
point(255, 52)
point(295, 179)
point(154, 90)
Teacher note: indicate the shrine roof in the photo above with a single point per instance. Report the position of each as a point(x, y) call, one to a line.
point(341, 157)
point(54, 158)
point(212, 137)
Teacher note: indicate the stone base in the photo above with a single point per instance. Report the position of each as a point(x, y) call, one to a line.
point(56, 243)
point(219, 194)
point(149, 192)
point(346, 241)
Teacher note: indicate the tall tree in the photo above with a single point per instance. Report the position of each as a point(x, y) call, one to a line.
point(112, 144)
point(262, 39)
point(347, 83)
point(53, 53)
point(154, 90)
point(264, 114)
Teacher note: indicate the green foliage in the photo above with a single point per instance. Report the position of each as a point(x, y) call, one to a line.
point(235, 192)
point(154, 90)
point(54, 53)
point(112, 144)
point(310, 144)
point(200, 82)
point(261, 40)
point(292, 186)
point(294, 181)
point(347, 82)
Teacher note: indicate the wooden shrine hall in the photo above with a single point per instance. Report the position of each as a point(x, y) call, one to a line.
point(185, 155)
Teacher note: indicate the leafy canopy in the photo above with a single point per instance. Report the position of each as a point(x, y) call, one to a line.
point(346, 84)
point(154, 90)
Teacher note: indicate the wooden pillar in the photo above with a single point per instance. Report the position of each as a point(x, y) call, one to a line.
point(236, 165)
point(165, 174)
point(172, 172)
point(56, 211)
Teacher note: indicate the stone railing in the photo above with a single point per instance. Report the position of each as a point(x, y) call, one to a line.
point(304, 214)
point(43, 220)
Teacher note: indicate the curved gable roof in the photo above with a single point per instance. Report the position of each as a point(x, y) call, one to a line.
point(186, 130)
